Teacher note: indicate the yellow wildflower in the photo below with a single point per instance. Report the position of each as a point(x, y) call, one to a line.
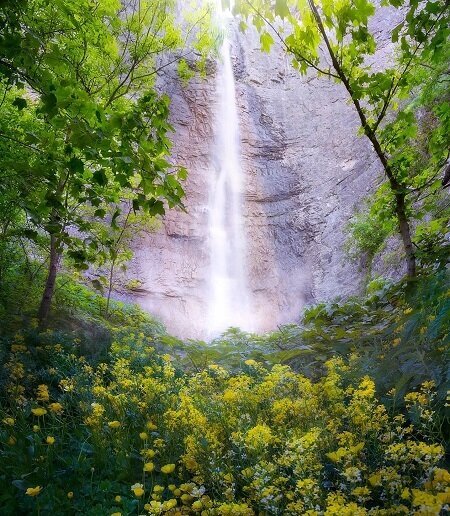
point(67, 385)
point(441, 476)
point(138, 490)
point(362, 493)
point(118, 498)
point(229, 395)
point(9, 421)
point(18, 348)
point(405, 494)
point(169, 504)
point(259, 435)
point(42, 393)
point(186, 498)
point(33, 491)
point(56, 407)
point(197, 505)
point(39, 411)
point(114, 424)
point(427, 503)
point(50, 440)
point(168, 468)
point(143, 436)
point(70, 495)
point(443, 498)
point(375, 479)
point(149, 467)
point(149, 454)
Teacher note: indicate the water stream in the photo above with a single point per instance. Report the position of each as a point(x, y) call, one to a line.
point(229, 303)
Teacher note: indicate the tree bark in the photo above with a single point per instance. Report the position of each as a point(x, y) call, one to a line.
point(44, 308)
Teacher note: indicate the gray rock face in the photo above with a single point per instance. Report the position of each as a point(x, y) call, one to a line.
point(306, 172)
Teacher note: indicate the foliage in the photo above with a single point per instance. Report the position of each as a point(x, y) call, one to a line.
point(399, 335)
point(368, 229)
point(92, 126)
point(79, 310)
point(135, 434)
point(244, 435)
point(114, 241)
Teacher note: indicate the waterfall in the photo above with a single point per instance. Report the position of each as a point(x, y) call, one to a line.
point(228, 287)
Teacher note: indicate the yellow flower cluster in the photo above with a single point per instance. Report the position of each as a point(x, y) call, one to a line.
point(268, 440)
point(258, 441)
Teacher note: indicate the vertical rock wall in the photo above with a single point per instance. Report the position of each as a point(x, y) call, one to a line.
point(306, 172)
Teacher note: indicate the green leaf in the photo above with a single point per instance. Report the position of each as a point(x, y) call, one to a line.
point(97, 285)
point(266, 41)
point(76, 165)
point(281, 8)
point(20, 103)
point(114, 218)
point(242, 26)
point(396, 32)
point(49, 104)
point(100, 213)
point(155, 207)
point(100, 177)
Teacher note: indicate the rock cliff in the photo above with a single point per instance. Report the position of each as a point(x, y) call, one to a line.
point(306, 172)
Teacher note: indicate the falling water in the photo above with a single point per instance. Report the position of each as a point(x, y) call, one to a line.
point(229, 294)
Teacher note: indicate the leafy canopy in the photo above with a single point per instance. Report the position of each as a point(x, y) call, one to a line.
point(82, 76)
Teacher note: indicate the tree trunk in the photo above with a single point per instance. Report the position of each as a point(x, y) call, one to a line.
point(110, 286)
point(400, 205)
point(405, 232)
point(44, 308)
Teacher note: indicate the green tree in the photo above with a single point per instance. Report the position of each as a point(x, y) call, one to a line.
point(338, 31)
point(113, 242)
point(87, 72)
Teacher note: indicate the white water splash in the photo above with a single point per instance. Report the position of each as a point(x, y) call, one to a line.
point(229, 300)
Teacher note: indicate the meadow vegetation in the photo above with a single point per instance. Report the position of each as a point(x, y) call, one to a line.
point(143, 423)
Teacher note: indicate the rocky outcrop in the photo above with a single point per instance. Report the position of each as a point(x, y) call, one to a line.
point(306, 172)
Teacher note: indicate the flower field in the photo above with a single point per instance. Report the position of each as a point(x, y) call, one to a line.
point(134, 434)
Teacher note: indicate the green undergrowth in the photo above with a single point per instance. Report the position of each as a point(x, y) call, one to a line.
point(107, 413)
point(399, 334)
